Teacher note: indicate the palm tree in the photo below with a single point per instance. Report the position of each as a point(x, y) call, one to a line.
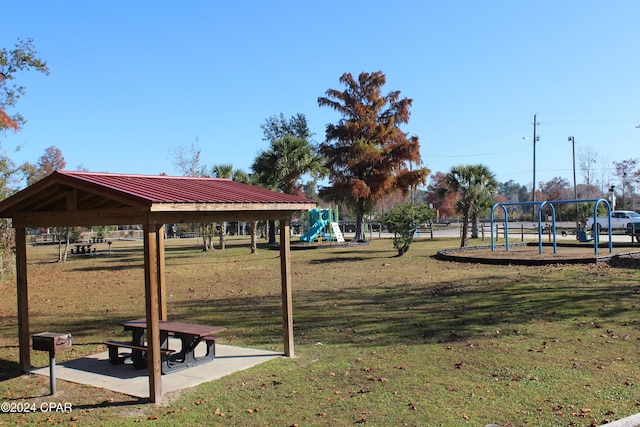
point(282, 166)
point(475, 186)
point(227, 171)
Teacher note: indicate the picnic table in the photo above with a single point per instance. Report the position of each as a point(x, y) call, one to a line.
point(189, 334)
point(83, 249)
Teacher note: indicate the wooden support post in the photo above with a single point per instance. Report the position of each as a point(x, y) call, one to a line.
point(23, 299)
point(152, 309)
point(162, 300)
point(285, 273)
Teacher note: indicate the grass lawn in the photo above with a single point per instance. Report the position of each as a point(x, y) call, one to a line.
point(380, 340)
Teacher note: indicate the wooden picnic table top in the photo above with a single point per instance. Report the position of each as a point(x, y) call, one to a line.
point(176, 327)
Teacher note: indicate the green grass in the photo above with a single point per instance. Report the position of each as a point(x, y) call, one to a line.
point(380, 340)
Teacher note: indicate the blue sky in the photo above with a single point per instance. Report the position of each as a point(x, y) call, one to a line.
point(130, 81)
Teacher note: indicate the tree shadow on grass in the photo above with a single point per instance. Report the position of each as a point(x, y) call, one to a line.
point(337, 260)
point(404, 313)
point(410, 314)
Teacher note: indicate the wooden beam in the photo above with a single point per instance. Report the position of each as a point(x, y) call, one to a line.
point(46, 200)
point(72, 199)
point(153, 313)
point(23, 299)
point(117, 216)
point(135, 215)
point(287, 300)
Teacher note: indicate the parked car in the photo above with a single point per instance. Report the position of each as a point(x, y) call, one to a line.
point(619, 221)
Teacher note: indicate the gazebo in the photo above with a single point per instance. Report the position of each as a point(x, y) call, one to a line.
point(67, 198)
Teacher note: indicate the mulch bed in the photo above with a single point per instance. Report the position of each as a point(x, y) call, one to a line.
point(529, 254)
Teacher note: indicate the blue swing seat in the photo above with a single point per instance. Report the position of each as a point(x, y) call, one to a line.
point(583, 236)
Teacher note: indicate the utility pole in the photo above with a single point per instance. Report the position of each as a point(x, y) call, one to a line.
point(536, 138)
point(533, 189)
point(575, 188)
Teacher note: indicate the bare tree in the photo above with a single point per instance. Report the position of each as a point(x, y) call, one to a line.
point(604, 166)
point(187, 160)
point(587, 159)
point(626, 171)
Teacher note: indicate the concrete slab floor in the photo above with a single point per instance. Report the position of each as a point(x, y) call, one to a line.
point(96, 370)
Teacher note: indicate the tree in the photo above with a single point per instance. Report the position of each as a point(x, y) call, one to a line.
point(513, 192)
point(367, 154)
point(626, 172)
point(7, 122)
point(587, 159)
point(443, 201)
point(556, 189)
point(187, 160)
point(21, 58)
point(227, 171)
point(285, 162)
point(475, 186)
point(276, 127)
point(403, 221)
point(52, 160)
point(290, 156)
point(604, 181)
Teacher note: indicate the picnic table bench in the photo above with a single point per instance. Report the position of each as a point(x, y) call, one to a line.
point(137, 354)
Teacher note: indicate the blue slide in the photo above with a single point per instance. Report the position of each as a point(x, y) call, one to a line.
point(315, 229)
point(320, 219)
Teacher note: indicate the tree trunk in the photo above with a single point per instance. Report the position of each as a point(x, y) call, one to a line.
point(474, 226)
point(254, 237)
point(465, 230)
point(272, 232)
point(359, 236)
point(62, 255)
point(207, 236)
point(223, 234)
point(66, 244)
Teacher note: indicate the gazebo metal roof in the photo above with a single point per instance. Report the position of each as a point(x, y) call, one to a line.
point(67, 198)
point(89, 198)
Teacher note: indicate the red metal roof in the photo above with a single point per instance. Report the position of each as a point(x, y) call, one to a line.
point(172, 189)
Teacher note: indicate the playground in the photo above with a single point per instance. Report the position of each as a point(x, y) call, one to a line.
point(560, 248)
point(320, 225)
point(528, 254)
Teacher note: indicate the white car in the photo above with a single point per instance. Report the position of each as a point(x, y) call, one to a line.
point(619, 221)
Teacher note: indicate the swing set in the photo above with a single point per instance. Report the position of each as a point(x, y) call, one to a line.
point(582, 237)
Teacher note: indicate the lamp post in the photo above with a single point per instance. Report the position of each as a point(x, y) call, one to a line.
point(575, 188)
point(612, 197)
